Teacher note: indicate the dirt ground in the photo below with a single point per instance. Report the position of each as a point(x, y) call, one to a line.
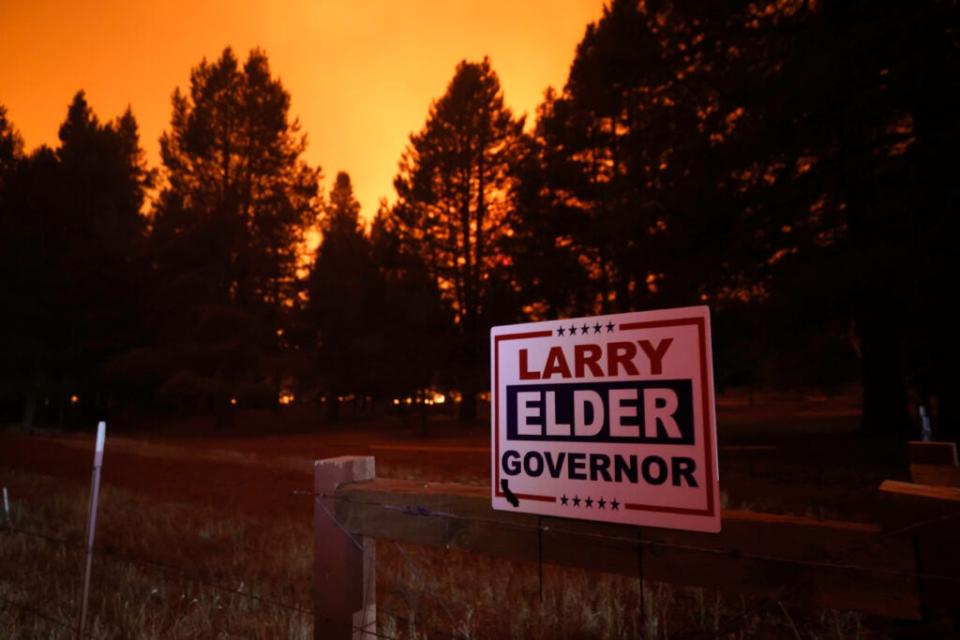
point(798, 455)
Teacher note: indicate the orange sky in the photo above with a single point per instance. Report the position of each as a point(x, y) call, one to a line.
point(361, 73)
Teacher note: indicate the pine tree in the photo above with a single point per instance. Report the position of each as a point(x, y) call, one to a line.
point(341, 308)
point(456, 203)
point(412, 340)
point(11, 146)
point(227, 231)
point(72, 230)
point(786, 163)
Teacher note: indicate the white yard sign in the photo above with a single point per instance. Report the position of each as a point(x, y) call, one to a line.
point(607, 418)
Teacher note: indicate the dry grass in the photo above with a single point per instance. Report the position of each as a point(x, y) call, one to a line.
point(423, 592)
point(439, 593)
point(154, 568)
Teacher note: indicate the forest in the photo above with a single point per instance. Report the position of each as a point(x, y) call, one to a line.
point(786, 163)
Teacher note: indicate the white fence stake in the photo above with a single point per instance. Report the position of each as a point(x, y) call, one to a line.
point(92, 522)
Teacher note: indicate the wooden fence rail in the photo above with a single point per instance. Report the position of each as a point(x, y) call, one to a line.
point(871, 568)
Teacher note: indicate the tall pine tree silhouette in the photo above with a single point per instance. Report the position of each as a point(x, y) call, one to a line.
point(228, 225)
point(341, 308)
point(455, 206)
point(72, 261)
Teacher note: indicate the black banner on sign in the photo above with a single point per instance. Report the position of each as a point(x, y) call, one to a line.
point(649, 411)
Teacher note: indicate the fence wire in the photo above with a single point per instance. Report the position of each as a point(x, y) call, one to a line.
point(426, 512)
point(788, 589)
point(174, 572)
point(732, 624)
point(42, 615)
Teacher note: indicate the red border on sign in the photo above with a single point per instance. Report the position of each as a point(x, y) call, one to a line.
point(698, 322)
point(707, 414)
point(496, 410)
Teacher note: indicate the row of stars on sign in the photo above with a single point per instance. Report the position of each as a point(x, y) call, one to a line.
point(589, 502)
point(585, 329)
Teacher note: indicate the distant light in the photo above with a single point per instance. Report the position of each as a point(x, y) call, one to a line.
point(396, 401)
point(74, 399)
point(409, 400)
point(233, 401)
point(286, 397)
point(439, 398)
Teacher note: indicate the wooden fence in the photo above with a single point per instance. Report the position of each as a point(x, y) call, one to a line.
point(906, 567)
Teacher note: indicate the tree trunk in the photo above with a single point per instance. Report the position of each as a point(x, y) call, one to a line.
point(469, 383)
point(947, 411)
point(29, 408)
point(333, 409)
point(884, 389)
point(424, 419)
point(468, 403)
point(61, 406)
point(936, 130)
point(222, 412)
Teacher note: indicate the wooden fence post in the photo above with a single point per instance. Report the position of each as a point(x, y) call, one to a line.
point(344, 575)
point(929, 513)
point(799, 560)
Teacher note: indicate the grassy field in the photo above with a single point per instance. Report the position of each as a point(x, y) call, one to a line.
point(208, 535)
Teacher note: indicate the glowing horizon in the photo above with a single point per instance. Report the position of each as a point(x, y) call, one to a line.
point(361, 75)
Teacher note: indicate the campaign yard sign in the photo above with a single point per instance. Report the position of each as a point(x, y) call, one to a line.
point(607, 418)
